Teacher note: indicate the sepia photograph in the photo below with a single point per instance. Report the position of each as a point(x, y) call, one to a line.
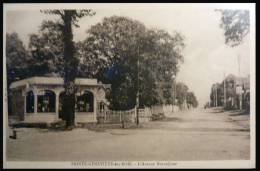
point(129, 85)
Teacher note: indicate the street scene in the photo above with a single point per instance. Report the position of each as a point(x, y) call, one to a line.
point(198, 134)
point(128, 82)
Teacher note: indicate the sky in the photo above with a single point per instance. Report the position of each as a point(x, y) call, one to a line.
point(206, 57)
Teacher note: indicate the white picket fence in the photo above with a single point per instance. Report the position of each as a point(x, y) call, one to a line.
point(113, 116)
point(145, 114)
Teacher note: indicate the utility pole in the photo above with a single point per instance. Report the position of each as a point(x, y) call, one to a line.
point(216, 95)
point(224, 90)
point(137, 94)
point(240, 83)
point(174, 92)
point(173, 97)
point(215, 90)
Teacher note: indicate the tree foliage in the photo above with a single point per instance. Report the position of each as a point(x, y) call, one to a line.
point(192, 100)
point(181, 93)
point(117, 43)
point(47, 51)
point(75, 15)
point(18, 58)
point(110, 53)
point(184, 96)
point(46, 48)
point(236, 25)
point(17, 62)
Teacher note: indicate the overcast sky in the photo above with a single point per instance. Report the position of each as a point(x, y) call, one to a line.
point(206, 57)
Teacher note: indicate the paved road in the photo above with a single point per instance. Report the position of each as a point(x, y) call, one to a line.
point(191, 135)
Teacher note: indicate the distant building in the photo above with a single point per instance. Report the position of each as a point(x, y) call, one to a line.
point(230, 88)
point(237, 93)
point(243, 92)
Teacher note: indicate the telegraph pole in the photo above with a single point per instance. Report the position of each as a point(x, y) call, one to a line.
point(137, 94)
point(216, 96)
point(174, 92)
point(215, 90)
point(240, 83)
point(224, 90)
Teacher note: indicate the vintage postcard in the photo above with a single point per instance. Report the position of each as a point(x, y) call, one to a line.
point(97, 85)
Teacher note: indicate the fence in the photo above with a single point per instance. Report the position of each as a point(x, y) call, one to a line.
point(145, 114)
point(167, 110)
point(112, 116)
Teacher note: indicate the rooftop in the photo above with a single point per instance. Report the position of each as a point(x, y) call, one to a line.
point(52, 81)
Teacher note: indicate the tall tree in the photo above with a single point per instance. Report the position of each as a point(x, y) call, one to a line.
point(236, 24)
point(90, 65)
point(164, 60)
point(17, 62)
point(69, 18)
point(181, 94)
point(119, 43)
point(192, 100)
point(46, 49)
point(115, 42)
point(17, 58)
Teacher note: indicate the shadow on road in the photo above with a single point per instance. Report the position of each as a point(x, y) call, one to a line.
point(217, 111)
point(239, 113)
point(170, 119)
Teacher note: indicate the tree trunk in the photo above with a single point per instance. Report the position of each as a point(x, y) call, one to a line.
point(70, 66)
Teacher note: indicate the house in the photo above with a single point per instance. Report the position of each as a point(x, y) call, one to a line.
point(230, 88)
point(38, 99)
point(235, 95)
point(237, 91)
point(243, 84)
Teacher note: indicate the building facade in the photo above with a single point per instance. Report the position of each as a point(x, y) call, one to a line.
point(38, 99)
point(232, 93)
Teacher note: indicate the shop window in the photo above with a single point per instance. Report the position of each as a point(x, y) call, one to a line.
point(46, 102)
point(85, 102)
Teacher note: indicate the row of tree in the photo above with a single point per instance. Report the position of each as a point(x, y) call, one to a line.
point(185, 97)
